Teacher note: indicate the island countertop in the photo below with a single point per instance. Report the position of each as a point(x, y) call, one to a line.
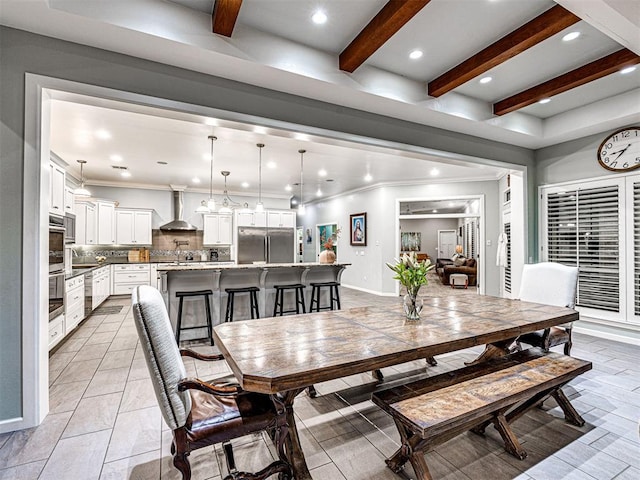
point(244, 266)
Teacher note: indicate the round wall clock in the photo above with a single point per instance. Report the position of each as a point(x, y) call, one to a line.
point(620, 151)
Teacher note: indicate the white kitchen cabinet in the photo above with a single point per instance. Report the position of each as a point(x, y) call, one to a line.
point(126, 277)
point(101, 286)
point(74, 302)
point(217, 229)
point(57, 179)
point(69, 200)
point(277, 219)
point(86, 223)
point(105, 212)
point(133, 227)
point(251, 219)
point(56, 331)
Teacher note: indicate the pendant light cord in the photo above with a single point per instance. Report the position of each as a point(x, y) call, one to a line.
point(260, 146)
point(212, 138)
point(301, 152)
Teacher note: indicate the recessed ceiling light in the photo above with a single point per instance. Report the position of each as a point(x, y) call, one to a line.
point(116, 158)
point(294, 202)
point(368, 177)
point(322, 172)
point(272, 165)
point(318, 193)
point(544, 100)
point(434, 211)
point(570, 36)
point(434, 172)
point(161, 163)
point(415, 54)
point(195, 180)
point(245, 184)
point(626, 70)
point(485, 79)
point(319, 17)
point(451, 204)
point(125, 173)
point(287, 187)
point(102, 134)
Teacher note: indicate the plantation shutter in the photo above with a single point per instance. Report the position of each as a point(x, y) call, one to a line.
point(636, 248)
point(583, 230)
point(507, 270)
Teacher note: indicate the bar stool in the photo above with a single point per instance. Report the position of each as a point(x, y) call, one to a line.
point(280, 289)
point(209, 326)
point(253, 301)
point(333, 292)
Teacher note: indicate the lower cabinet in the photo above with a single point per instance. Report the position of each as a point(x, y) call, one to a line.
point(127, 277)
point(74, 303)
point(101, 286)
point(56, 331)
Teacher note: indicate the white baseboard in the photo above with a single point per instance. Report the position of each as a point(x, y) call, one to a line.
point(599, 329)
point(366, 290)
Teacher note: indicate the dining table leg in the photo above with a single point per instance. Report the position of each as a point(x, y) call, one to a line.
point(493, 350)
point(292, 445)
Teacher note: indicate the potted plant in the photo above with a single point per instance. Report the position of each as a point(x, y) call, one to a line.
point(412, 274)
point(328, 255)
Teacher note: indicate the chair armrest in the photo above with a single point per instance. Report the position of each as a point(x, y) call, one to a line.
point(185, 352)
point(219, 390)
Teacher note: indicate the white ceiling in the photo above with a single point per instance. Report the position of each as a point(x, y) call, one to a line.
point(274, 45)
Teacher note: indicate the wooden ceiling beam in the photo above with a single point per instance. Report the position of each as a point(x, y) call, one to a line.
point(224, 16)
point(581, 75)
point(391, 18)
point(531, 33)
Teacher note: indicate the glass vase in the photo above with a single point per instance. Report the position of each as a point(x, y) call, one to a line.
point(412, 306)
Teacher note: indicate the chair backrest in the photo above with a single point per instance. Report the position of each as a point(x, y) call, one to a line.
point(162, 354)
point(549, 283)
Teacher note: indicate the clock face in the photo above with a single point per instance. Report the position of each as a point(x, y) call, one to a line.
point(620, 151)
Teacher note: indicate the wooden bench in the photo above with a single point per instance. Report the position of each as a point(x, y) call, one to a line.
point(433, 410)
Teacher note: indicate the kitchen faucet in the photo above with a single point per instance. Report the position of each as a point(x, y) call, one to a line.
point(178, 244)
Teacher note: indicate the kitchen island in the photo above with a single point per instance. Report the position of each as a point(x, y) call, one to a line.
point(218, 277)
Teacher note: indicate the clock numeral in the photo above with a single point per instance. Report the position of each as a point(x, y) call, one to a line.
point(605, 159)
point(625, 134)
point(604, 153)
point(614, 164)
point(610, 145)
point(637, 159)
point(626, 165)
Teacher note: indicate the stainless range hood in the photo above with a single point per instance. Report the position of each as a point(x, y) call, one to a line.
point(178, 224)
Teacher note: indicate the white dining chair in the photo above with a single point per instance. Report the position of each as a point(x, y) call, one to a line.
point(549, 283)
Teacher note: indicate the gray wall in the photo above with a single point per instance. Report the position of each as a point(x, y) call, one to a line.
point(22, 52)
point(428, 228)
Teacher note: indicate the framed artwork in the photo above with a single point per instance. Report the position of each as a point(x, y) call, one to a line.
point(410, 241)
point(358, 225)
point(325, 232)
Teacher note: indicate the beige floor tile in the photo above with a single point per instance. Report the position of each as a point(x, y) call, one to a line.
point(108, 327)
point(98, 338)
point(107, 381)
point(30, 445)
point(138, 394)
point(119, 359)
point(28, 471)
point(73, 344)
point(139, 370)
point(135, 432)
point(328, 471)
point(138, 467)
point(64, 397)
point(79, 457)
point(204, 463)
point(78, 371)
point(91, 352)
point(93, 414)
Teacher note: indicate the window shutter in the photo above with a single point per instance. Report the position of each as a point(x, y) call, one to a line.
point(507, 270)
point(562, 227)
point(636, 248)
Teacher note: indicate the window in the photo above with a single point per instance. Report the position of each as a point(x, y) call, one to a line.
point(507, 269)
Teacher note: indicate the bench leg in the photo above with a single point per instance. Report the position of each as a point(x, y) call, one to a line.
point(432, 361)
point(419, 465)
point(571, 415)
point(511, 443)
point(409, 451)
point(377, 374)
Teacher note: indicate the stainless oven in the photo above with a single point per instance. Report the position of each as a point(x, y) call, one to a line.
point(56, 244)
point(56, 295)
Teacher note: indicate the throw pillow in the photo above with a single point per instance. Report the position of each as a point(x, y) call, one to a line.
point(459, 262)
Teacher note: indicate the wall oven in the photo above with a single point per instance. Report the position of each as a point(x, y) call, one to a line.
point(69, 221)
point(56, 266)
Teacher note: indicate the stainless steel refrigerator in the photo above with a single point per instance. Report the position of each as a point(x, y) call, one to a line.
point(271, 245)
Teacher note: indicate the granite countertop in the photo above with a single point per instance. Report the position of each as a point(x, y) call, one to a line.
point(210, 266)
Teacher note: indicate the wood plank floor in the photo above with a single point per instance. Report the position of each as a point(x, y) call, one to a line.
point(104, 422)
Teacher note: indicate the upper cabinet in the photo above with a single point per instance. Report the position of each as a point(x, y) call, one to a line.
point(251, 219)
point(69, 200)
point(281, 219)
point(217, 229)
point(106, 213)
point(57, 179)
point(133, 227)
point(86, 224)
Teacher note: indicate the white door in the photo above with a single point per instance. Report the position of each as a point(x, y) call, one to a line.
point(446, 243)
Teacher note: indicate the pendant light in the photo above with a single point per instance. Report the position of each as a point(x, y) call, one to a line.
point(226, 199)
point(260, 205)
point(210, 205)
point(81, 191)
point(301, 208)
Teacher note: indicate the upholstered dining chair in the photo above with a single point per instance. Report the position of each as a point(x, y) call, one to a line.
point(552, 284)
point(201, 413)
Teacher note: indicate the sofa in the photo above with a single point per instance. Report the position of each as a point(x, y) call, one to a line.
point(445, 267)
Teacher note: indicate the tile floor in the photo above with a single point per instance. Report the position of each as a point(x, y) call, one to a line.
point(104, 422)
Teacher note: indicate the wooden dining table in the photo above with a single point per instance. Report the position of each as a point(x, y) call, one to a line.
point(282, 356)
